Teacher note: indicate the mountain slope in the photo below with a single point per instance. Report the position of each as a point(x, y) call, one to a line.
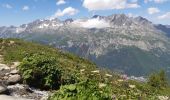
point(76, 78)
point(132, 45)
point(164, 28)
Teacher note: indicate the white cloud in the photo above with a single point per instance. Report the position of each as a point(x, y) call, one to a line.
point(108, 4)
point(132, 5)
point(156, 1)
point(60, 2)
point(66, 11)
point(153, 10)
point(160, 1)
point(165, 16)
point(132, 15)
point(7, 6)
point(25, 8)
point(91, 23)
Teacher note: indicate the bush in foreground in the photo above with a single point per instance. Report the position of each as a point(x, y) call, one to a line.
point(85, 90)
point(41, 70)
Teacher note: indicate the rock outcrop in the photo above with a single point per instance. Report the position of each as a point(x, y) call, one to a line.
point(3, 90)
point(6, 97)
point(12, 88)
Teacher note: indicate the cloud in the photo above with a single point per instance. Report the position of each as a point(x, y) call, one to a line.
point(132, 15)
point(165, 16)
point(8, 6)
point(156, 1)
point(153, 10)
point(160, 1)
point(132, 5)
point(25, 8)
point(91, 23)
point(60, 2)
point(66, 11)
point(108, 4)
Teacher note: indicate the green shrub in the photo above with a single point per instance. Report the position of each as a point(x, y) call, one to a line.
point(41, 70)
point(44, 71)
point(163, 79)
point(85, 90)
point(158, 80)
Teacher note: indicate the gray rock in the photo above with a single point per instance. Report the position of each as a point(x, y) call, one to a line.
point(3, 83)
point(15, 71)
point(23, 90)
point(3, 90)
point(6, 97)
point(5, 78)
point(4, 67)
point(7, 74)
point(15, 64)
point(13, 79)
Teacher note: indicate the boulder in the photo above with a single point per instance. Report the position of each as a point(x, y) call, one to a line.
point(12, 42)
point(6, 97)
point(15, 71)
point(3, 83)
point(4, 67)
point(3, 90)
point(15, 64)
point(13, 79)
point(5, 78)
point(7, 74)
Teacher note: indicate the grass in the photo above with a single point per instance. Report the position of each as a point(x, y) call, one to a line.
point(89, 75)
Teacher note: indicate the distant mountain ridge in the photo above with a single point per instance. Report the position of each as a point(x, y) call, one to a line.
point(135, 46)
point(113, 20)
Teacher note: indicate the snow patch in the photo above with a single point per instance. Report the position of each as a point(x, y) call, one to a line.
point(92, 23)
point(19, 30)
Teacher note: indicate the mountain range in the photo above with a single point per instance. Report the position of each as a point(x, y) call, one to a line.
point(132, 45)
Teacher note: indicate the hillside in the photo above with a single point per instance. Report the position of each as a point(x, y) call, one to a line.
point(72, 77)
point(118, 42)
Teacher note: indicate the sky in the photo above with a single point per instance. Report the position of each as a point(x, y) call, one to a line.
point(17, 12)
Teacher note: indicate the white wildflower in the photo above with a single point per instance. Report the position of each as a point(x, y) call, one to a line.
point(82, 70)
point(120, 80)
point(12, 42)
point(95, 71)
point(101, 85)
point(132, 86)
point(108, 75)
point(163, 97)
